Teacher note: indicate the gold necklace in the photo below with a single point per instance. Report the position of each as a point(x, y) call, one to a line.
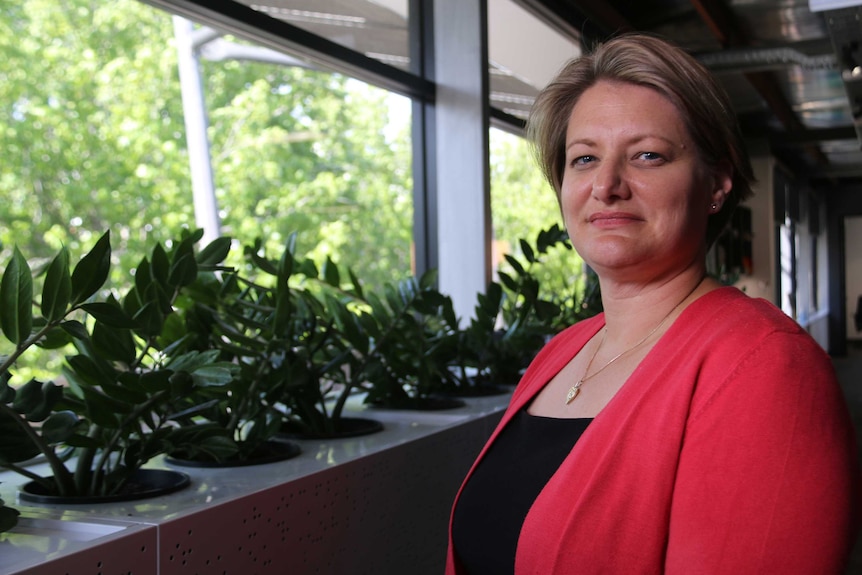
point(576, 389)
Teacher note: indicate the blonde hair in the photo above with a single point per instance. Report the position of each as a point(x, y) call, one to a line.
point(654, 63)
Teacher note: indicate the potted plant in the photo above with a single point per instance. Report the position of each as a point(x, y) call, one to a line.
point(114, 407)
point(512, 320)
point(415, 332)
point(208, 318)
point(287, 325)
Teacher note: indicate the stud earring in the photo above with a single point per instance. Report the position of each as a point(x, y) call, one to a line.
point(713, 207)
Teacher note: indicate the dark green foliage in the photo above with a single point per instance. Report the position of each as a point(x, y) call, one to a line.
point(211, 362)
point(512, 322)
point(8, 517)
point(114, 402)
point(289, 329)
point(417, 337)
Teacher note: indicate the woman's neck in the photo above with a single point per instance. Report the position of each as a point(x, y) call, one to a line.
point(633, 310)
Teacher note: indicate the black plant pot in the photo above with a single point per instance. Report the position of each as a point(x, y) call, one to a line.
point(423, 403)
point(475, 390)
point(268, 452)
point(144, 483)
point(345, 427)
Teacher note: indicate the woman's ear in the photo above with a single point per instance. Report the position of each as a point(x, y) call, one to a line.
point(722, 183)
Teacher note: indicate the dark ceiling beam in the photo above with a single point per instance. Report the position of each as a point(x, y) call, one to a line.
point(593, 20)
point(809, 136)
point(721, 21)
point(606, 16)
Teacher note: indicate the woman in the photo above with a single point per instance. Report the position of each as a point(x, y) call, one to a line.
point(688, 428)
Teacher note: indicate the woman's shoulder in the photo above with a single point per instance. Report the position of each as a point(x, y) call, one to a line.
point(726, 330)
point(733, 312)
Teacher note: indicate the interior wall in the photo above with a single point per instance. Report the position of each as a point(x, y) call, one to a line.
point(853, 272)
point(841, 203)
point(760, 282)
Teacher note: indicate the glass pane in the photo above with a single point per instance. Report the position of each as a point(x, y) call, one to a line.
point(375, 28)
point(524, 53)
point(522, 205)
point(94, 135)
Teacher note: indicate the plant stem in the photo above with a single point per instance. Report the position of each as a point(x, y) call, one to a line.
point(26, 344)
point(62, 478)
point(108, 448)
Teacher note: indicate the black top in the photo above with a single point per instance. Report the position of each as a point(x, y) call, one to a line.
point(503, 487)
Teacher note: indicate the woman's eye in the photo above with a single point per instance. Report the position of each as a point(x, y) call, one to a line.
point(581, 160)
point(650, 156)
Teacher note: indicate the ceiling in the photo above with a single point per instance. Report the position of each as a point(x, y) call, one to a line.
point(789, 70)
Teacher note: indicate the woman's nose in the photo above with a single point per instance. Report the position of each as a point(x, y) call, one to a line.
point(609, 181)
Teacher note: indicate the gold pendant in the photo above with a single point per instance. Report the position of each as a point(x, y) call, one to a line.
point(573, 392)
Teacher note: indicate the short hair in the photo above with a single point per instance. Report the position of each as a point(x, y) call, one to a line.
point(654, 63)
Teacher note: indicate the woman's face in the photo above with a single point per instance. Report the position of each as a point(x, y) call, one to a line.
point(635, 196)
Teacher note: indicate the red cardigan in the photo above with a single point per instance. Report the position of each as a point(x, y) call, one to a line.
point(729, 450)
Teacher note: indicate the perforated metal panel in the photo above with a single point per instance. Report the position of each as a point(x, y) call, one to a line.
point(130, 551)
point(377, 504)
point(385, 513)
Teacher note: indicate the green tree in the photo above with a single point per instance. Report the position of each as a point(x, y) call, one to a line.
point(92, 127)
point(94, 138)
point(522, 205)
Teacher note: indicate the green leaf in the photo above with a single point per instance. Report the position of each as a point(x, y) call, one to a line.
point(57, 289)
point(194, 360)
point(527, 251)
point(113, 343)
point(16, 299)
point(103, 410)
point(215, 252)
point(155, 381)
point(55, 338)
point(357, 285)
point(75, 329)
point(263, 264)
point(124, 393)
point(90, 372)
point(92, 271)
point(546, 310)
point(149, 320)
point(110, 313)
point(15, 445)
point(283, 311)
point(7, 392)
point(507, 281)
point(212, 376)
point(331, 274)
point(59, 427)
point(429, 279)
point(158, 294)
point(8, 517)
point(183, 271)
point(369, 325)
point(285, 264)
point(308, 268)
point(516, 265)
point(143, 278)
point(160, 267)
point(34, 400)
point(51, 395)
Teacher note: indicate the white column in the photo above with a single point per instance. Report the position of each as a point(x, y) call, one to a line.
point(197, 142)
point(462, 123)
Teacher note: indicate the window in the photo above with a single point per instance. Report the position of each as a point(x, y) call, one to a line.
point(96, 138)
point(375, 28)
